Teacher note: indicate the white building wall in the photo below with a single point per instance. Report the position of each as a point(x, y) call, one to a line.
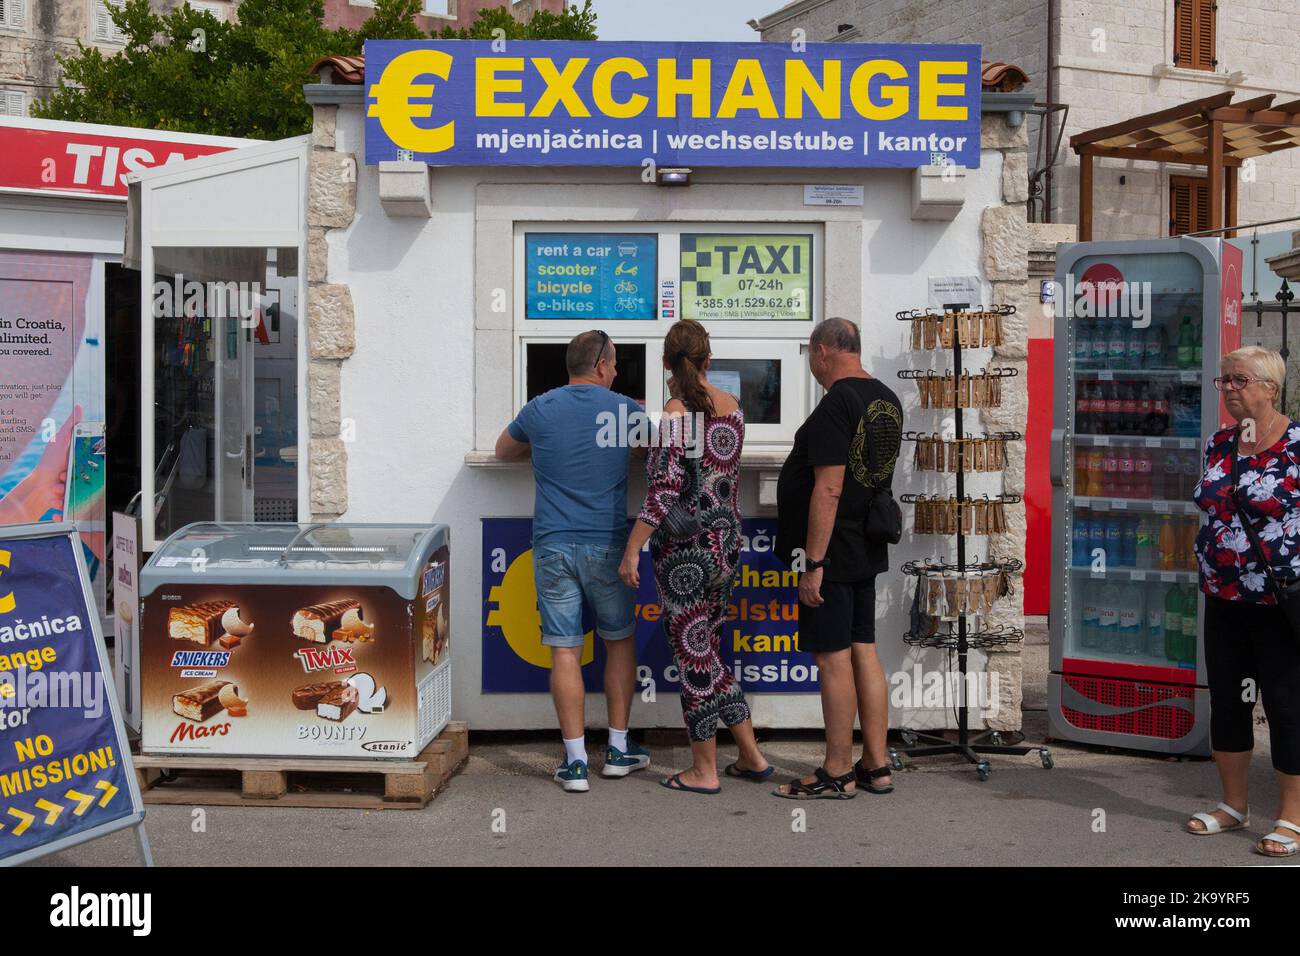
point(408, 389)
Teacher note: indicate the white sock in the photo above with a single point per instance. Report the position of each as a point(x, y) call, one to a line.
point(575, 749)
point(618, 739)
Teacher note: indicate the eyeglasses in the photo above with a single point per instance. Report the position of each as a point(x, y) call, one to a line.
point(1235, 383)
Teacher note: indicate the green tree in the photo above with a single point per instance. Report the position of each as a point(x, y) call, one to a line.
point(187, 71)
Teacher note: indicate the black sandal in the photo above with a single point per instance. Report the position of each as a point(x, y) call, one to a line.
point(867, 778)
point(826, 787)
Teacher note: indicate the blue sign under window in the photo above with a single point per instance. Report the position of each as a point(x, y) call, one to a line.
point(591, 275)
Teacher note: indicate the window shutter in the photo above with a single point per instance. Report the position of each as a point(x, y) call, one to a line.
point(11, 104)
point(1194, 34)
point(13, 14)
point(1189, 205)
point(105, 30)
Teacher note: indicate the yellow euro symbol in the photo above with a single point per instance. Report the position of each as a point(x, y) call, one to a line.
point(393, 106)
point(517, 615)
point(7, 602)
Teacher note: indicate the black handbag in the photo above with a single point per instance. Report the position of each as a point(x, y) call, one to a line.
point(1287, 593)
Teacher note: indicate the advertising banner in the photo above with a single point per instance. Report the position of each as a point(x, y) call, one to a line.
point(585, 103)
point(584, 275)
point(82, 159)
point(65, 767)
point(767, 277)
point(760, 637)
point(280, 669)
point(52, 397)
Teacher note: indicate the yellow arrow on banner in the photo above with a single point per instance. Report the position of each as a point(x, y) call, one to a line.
point(52, 810)
point(7, 602)
point(110, 792)
point(24, 818)
point(84, 800)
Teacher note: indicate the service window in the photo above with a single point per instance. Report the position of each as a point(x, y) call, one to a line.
point(756, 288)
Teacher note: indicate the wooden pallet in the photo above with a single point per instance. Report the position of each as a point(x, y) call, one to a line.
point(305, 782)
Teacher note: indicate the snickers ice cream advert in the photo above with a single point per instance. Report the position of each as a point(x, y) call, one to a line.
point(289, 670)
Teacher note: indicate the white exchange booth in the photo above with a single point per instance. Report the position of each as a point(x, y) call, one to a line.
point(436, 374)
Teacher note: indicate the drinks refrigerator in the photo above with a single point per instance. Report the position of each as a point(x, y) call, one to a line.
point(1134, 403)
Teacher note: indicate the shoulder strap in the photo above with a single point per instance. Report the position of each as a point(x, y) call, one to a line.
point(1246, 523)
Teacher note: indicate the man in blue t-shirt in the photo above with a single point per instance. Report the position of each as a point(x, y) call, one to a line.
point(577, 436)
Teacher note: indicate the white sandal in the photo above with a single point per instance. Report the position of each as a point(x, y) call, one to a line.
point(1289, 842)
point(1212, 825)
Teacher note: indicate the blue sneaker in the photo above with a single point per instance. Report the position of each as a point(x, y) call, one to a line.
point(620, 763)
point(573, 777)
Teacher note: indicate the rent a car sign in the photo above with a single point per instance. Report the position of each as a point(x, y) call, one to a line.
point(550, 103)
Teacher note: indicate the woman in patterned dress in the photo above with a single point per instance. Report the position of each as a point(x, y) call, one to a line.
point(1248, 641)
point(694, 473)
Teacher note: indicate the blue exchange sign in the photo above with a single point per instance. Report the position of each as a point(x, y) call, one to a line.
point(552, 103)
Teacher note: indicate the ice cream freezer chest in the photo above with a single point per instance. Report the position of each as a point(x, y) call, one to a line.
point(327, 640)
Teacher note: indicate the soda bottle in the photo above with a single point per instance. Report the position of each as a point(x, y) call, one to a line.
point(1108, 618)
point(1141, 473)
point(1080, 473)
point(1186, 344)
point(1083, 409)
point(1168, 544)
point(1191, 469)
point(1153, 347)
point(1090, 614)
point(1128, 542)
point(1155, 637)
point(1190, 613)
point(1110, 472)
point(1096, 472)
point(1158, 423)
point(1144, 546)
point(1198, 353)
point(1129, 421)
point(1193, 529)
point(1127, 472)
point(1173, 624)
point(1172, 477)
point(1097, 537)
point(1079, 538)
point(1114, 541)
point(1142, 408)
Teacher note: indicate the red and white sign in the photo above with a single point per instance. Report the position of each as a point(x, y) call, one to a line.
point(83, 159)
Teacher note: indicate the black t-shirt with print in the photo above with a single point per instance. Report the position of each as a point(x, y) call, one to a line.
point(858, 423)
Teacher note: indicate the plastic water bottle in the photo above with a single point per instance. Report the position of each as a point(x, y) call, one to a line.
point(1155, 630)
point(1090, 614)
point(1136, 347)
point(1173, 624)
point(1153, 347)
point(1114, 542)
point(1083, 333)
point(1097, 538)
point(1132, 612)
point(1187, 344)
point(1108, 618)
point(1100, 345)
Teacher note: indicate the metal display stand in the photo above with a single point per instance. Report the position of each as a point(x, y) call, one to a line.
point(958, 636)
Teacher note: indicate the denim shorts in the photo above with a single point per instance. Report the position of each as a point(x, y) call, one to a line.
point(565, 574)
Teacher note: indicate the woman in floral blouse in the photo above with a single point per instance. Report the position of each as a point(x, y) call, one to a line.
point(1248, 642)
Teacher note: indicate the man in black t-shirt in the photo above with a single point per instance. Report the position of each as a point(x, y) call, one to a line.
point(842, 454)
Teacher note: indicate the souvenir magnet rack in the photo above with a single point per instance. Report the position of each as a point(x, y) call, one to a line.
point(956, 391)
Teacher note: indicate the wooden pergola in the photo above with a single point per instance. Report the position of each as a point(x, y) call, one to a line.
point(1212, 132)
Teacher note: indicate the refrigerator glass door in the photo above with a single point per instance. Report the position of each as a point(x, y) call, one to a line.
point(1133, 438)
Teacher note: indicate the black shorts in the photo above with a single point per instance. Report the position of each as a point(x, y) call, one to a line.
point(847, 616)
